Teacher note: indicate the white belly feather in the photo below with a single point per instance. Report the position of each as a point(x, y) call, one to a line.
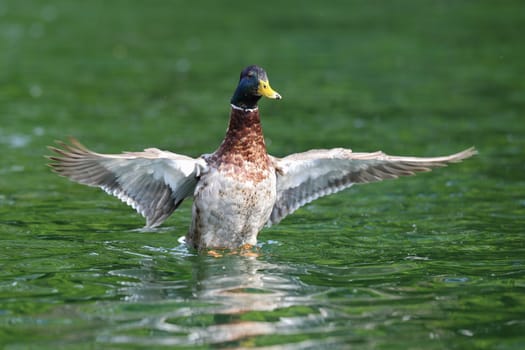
point(229, 213)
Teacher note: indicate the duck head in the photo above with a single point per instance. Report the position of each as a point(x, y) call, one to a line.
point(253, 84)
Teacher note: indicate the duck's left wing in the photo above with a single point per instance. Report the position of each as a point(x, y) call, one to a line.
point(153, 182)
point(304, 177)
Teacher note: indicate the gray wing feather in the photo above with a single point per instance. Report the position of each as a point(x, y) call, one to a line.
point(304, 177)
point(153, 182)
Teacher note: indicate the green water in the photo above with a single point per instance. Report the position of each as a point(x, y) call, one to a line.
point(435, 261)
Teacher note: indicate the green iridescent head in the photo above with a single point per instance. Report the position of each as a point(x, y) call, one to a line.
point(253, 84)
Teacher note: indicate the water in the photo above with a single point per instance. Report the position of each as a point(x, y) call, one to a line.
point(434, 261)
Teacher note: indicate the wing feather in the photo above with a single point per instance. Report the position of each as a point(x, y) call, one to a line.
point(152, 182)
point(304, 177)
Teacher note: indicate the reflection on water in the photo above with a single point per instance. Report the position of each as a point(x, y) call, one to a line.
point(225, 300)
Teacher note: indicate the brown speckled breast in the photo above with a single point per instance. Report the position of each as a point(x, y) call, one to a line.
point(242, 154)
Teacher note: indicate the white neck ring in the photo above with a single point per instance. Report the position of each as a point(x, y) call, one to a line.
point(244, 109)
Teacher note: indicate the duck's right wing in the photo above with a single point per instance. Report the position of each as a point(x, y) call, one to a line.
point(153, 182)
point(304, 177)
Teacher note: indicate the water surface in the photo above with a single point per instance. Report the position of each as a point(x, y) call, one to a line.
point(434, 261)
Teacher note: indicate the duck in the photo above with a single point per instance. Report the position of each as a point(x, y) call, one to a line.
point(239, 188)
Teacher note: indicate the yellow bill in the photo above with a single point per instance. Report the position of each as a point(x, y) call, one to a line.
point(266, 90)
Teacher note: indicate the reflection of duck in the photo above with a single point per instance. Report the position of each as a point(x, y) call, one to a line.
point(242, 284)
point(239, 188)
point(217, 301)
point(245, 292)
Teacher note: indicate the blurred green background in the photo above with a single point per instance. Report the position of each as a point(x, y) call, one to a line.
point(408, 77)
point(163, 72)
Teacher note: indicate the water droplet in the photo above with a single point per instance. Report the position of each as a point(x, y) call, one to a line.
point(49, 13)
point(14, 32)
point(38, 131)
point(456, 279)
point(415, 258)
point(193, 44)
point(466, 332)
point(17, 168)
point(183, 65)
point(16, 140)
point(35, 91)
point(359, 123)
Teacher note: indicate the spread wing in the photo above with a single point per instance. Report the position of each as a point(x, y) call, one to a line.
point(153, 182)
point(304, 177)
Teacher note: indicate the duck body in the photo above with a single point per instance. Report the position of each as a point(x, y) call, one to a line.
point(239, 188)
point(233, 200)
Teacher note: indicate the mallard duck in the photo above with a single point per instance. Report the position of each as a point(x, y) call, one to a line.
point(239, 188)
